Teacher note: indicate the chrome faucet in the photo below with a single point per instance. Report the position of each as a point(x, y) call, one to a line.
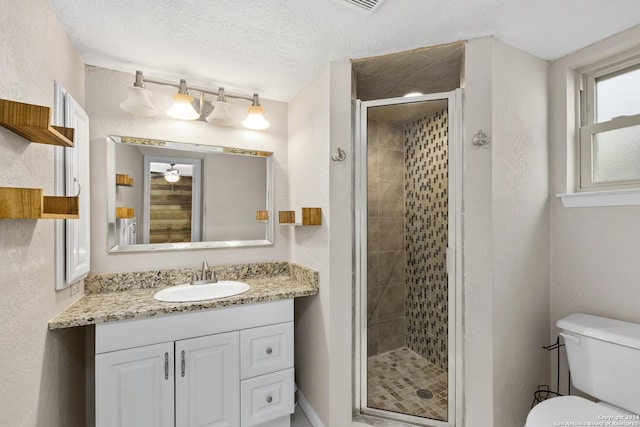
point(205, 277)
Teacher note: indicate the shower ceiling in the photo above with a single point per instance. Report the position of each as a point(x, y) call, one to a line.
point(405, 113)
point(428, 70)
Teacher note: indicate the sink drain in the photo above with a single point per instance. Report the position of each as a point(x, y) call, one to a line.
point(424, 393)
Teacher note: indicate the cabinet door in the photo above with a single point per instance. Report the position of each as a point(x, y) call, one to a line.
point(78, 183)
point(208, 381)
point(134, 387)
point(72, 254)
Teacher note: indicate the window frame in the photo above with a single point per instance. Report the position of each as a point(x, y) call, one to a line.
point(587, 127)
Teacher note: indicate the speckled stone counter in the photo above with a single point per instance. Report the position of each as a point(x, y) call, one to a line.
point(121, 296)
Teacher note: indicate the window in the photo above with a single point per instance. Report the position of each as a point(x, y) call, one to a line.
point(610, 127)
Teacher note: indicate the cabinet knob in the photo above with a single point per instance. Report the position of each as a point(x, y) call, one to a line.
point(269, 399)
point(269, 350)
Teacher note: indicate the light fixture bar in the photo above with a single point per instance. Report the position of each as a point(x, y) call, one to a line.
point(196, 88)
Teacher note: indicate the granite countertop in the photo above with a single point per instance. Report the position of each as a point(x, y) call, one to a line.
point(122, 296)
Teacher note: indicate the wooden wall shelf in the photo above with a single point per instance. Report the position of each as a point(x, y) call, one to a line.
point(310, 216)
point(30, 203)
point(262, 216)
point(124, 180)
point(123, 212)
point(32, 122)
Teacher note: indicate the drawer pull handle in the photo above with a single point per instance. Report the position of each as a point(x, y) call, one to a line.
point(166, 366)
point(182, 363)
point(269, 399)
point(269, 350)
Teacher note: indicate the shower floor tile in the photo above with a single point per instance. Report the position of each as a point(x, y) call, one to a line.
point(394, 378)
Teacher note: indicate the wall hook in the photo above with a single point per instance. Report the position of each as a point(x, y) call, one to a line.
point(339, 155)
point(75, 181)
point(480, 139)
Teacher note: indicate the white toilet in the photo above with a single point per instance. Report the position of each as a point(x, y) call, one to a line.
point(604, 361)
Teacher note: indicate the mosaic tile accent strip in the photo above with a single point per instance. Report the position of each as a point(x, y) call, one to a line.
point(395, 377)
point(426, 206)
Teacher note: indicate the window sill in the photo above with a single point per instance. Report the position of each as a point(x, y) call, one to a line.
point(601, 198)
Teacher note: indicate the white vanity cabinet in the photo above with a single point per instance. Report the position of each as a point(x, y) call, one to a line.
point(134, 387)
point(228, 367)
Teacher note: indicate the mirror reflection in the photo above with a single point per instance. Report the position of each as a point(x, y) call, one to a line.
point(171, 195)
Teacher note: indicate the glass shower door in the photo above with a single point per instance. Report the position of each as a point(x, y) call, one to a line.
point(406, 300)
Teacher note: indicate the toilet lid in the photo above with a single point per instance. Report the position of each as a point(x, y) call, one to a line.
point(564, 409)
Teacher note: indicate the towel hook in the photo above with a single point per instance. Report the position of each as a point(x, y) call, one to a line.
point(75, 180)
point(339, 155)
point(480, 139)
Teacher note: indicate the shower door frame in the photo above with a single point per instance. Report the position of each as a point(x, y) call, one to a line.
point(453, 255)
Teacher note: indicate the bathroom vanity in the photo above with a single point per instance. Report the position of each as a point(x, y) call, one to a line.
point(222, 362)
point(230, 366)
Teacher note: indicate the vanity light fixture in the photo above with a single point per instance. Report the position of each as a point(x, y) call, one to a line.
point(138, 103)
point(220, 114)
point(182, 108)
point(255, 119)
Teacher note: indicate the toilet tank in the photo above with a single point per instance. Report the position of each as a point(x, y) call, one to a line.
point(604, 358)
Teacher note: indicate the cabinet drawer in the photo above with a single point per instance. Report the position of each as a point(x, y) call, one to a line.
point(266, 397)
point(266, 349)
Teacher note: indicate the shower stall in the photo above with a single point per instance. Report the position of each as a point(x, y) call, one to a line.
point(408, 179)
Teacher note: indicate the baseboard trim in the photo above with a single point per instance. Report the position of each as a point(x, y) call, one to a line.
point(314, 419)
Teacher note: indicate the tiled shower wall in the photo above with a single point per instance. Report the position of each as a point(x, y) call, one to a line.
point(426, 204)
point(386, 238)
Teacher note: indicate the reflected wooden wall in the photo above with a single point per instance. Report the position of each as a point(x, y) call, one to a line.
point(170, 215)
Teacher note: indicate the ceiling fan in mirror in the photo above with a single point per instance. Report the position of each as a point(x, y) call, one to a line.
point(171, 175)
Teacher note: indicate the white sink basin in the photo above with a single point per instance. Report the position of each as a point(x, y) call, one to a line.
point(188, 292)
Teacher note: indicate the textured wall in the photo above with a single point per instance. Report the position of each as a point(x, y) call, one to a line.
point(427, 211)
point(386, 238)
point(105, 89)
point(477, 238)
point(309, 182)
point(42, 380)
point(520, 227)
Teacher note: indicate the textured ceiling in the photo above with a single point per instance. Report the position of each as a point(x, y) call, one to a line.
point(275, 47)
point(428, 70)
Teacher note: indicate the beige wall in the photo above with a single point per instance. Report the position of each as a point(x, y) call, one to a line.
point(319, 122)
point(595, 251)
point(520, 227)
point(42, 372)
point(506, 233)
point(477, 238)
point(308, 144)
point(105, 89)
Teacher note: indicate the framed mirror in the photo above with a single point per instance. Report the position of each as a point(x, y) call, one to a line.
point(167, 195)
